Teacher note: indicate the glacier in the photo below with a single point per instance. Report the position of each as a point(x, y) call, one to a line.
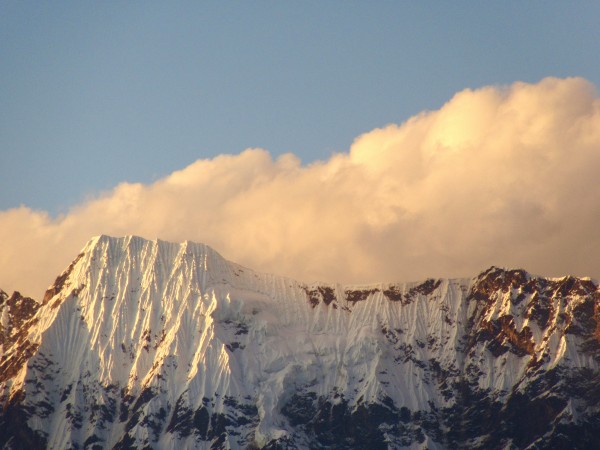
point(159, 345)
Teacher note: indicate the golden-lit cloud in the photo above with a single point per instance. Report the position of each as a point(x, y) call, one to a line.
point(499, 175)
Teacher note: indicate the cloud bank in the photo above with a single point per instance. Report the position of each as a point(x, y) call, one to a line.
point(500, 175)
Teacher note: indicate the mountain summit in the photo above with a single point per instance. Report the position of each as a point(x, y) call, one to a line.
point(151, 344)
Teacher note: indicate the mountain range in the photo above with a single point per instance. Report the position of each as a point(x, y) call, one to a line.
point(156, 345)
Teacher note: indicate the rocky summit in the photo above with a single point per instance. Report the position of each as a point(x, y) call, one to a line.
point(154, 345)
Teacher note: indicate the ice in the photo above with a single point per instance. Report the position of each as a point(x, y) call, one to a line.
point(180, 321)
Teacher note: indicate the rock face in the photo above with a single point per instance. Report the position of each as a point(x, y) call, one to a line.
point(143, 344)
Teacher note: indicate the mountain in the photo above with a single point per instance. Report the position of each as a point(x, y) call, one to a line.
point(150, 344)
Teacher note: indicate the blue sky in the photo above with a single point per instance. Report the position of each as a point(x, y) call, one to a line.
point(96, 93)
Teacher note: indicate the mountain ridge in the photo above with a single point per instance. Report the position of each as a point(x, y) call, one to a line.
point(152, 344)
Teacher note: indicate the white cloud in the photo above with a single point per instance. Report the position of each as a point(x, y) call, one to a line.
point(505, 176)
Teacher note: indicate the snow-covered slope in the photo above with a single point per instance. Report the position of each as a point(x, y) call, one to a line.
point(160, 345)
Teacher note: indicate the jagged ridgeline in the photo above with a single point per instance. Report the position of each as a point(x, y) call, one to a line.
point(150, 344)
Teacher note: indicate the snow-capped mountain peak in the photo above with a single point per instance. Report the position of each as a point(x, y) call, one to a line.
point(154, 344)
